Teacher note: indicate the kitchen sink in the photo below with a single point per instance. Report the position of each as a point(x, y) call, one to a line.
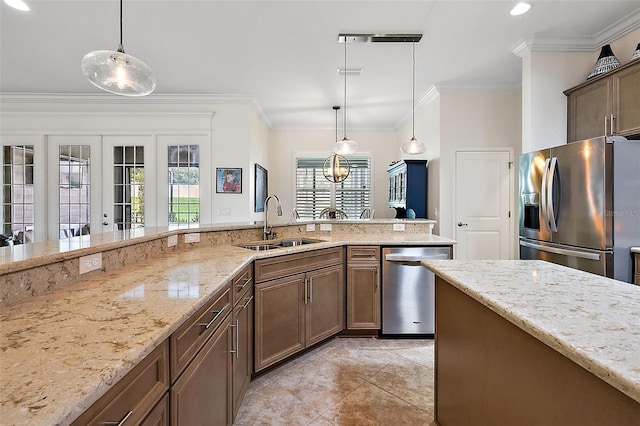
point(270, 245)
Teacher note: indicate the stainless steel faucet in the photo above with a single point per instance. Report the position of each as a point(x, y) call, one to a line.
point(267, 232)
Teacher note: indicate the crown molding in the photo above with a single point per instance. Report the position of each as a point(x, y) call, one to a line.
point(545, 43)
point(153, 99)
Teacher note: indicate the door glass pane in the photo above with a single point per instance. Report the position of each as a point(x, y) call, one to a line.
point(184, 184)
point(74, 193)
point(128, 182)
point(17, 194)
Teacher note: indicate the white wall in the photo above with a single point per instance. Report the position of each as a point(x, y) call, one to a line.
point(258, 153)
point(473, 120)
point(284, 144)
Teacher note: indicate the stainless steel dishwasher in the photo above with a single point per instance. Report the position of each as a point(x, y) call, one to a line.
point(408, 290)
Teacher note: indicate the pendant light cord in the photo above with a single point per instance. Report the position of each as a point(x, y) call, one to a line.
point(121, 47)
point(345, 89)
point(413, 91)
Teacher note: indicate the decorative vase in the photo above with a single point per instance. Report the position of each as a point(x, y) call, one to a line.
point(606, 62)
point(636, 54)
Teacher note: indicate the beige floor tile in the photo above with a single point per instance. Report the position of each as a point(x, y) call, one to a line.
point(370, 405)
point(320, 384)
point(364, 361)
point(422, 353)
point(274, 405)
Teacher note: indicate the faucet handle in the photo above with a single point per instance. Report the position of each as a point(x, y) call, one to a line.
point(274, 235)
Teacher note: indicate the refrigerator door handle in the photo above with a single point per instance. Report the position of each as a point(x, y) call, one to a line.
point(551, 217)
point(543, 190)
point(558, 250)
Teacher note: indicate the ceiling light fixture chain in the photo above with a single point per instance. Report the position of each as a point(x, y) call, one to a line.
point(413, 146)
point(346, 145)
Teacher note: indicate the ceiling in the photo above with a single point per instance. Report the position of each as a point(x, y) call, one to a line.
point(285, 54)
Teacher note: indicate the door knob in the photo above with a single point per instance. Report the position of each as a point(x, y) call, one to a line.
point(105, 223)
point(462, 224)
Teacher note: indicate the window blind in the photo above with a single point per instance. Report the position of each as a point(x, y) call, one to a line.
point(314, 192)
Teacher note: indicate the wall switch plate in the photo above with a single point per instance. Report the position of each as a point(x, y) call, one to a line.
point(325, 227)
point(90, 263)
point(172, 240)
point(311, 227)
point(194, 237)
point(398, 226)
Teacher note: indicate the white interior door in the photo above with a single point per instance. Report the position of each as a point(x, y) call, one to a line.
point(129, 182)
point(483, 182)
point(74, 185)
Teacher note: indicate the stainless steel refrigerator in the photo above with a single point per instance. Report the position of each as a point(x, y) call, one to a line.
point(580, 205)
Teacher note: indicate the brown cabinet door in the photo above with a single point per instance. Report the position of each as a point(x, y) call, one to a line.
point(159, 416)
point(588, 108)
point(242, 358)
point(202, 394)
point(279, 319)
point(626, 98)
point(363, 296)
point(324, 303)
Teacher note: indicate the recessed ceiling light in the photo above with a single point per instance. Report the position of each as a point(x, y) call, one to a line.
point(17, 4)
point(520, 8)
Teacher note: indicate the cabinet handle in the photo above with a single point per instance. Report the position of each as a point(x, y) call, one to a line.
point(310, 290)
point(243, 285)
point(613, 128)
point(121, 422)
point(306, 291)
point(375, 277)
point(237, 327)
point(215, 317)
point(247, 302)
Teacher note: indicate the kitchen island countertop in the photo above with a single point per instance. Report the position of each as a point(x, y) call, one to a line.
point(592, 320)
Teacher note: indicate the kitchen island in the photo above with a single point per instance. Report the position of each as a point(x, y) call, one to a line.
point(531, 342)
point(64, 349)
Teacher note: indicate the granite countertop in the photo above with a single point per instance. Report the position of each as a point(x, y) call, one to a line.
point(63, 350)
point(592, 320)
point(635, 249)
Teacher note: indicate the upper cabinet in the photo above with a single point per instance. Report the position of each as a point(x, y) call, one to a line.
point(607, 105)
point(408, 187)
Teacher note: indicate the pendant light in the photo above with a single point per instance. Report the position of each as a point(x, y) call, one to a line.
point(118, 73)
point(413, 146)
point(336, 168)
point(345, 146)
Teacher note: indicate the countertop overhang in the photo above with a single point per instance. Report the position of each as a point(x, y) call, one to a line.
point(592, 320)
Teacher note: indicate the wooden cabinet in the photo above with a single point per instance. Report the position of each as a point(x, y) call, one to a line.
point(134, 397)
point(408, 187)
point(202, 394)
point(363, 287)
point(300, 308)
point(242, 352)
point(606, 105)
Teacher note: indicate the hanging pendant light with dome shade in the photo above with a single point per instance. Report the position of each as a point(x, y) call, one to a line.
point(413, 146)
point(336, 168)
point(118, 73)
point(346, 145)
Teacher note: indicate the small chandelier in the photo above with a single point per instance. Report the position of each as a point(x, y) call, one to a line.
point(413, 146)
point(336, 168)
point(118, 73)
point(346, 145)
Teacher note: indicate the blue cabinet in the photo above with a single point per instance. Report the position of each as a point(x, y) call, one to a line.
point(408, 187)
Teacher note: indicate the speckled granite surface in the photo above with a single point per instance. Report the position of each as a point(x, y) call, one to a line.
point(592, 320)
point(62, 350)
point(635, 249)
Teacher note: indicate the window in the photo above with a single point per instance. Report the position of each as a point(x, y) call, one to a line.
point(314, 193)
point(74, 190)
point(17, 193)
point(184, 184)
point(128, 186)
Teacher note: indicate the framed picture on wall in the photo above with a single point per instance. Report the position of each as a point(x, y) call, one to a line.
point(262, 187)
point(229, 181)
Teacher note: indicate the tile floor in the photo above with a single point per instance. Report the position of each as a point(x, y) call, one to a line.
point(347, 381)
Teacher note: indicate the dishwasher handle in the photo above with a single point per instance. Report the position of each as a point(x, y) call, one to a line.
point(414, 258)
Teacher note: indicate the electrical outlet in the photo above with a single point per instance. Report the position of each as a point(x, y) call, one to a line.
point(172, 240)
point(325, 227)
point(398, 226)
point(311, 227)
point(194, 237)
point(90, 263)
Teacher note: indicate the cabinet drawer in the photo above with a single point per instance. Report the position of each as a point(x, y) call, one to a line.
point(363, 254)
point(135, 395)
point(241, 284)
point(281, 266)
point(187, 340)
